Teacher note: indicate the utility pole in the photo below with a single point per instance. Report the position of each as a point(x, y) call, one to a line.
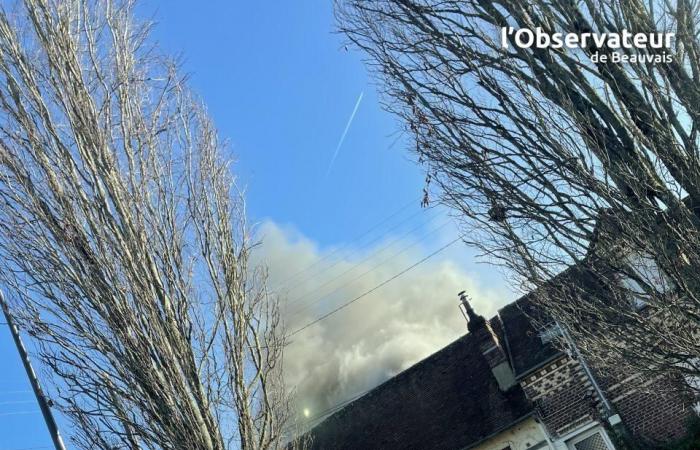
point(43, 402)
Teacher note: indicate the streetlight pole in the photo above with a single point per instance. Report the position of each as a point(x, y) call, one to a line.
point(41, 399)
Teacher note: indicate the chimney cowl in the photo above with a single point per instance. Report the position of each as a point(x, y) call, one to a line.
point(475, 320)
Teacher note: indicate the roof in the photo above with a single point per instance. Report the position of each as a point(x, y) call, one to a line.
point(526, 350)
point(523, 318)
point(449, 400)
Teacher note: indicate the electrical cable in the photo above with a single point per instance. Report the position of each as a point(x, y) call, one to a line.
point(326, 268)
point(17, 413)
point(17, 402)
point(377, 252)
point(358, 237)
point(337, 407)
point(375, 267)
point(364, 294)
point(29, 448)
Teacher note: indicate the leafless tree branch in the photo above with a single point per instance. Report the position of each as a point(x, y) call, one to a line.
point(556, 161)
point(123, 239)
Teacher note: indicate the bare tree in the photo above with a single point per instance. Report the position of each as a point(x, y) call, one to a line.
point(556, 160)
point(123, 239)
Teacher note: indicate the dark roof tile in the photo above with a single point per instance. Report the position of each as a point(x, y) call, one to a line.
point(449, 401)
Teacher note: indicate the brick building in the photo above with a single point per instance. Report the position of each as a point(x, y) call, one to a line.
point(505, 386)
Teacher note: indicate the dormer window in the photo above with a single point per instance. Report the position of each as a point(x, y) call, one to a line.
point(648, 272)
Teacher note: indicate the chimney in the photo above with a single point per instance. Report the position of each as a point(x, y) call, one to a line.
point(488, 343)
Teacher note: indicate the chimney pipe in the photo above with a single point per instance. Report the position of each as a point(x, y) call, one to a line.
point(488, 343)
point(474, 320)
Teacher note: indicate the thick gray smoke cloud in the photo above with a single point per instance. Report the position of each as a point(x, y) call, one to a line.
point(379, 335)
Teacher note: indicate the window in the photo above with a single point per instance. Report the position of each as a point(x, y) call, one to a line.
point(595, 439)
point(646, 269)
point(549, 332)
point(649, 272)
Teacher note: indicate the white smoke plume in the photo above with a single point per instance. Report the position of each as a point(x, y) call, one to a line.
point(381, 334)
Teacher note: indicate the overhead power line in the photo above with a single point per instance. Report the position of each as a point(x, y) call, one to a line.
point(338, 406)
point(28, 448)
point(24, 391)
point(326, 269)
point(328, 411)
point(354, 239)
point(368, 257)
point(366, 293)
point(17, 402)
point(402, 250)
point(19, 413)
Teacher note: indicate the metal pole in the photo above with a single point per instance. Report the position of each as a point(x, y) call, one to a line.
point(43, 403)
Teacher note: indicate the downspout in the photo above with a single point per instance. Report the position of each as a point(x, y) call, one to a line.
point(577, 354)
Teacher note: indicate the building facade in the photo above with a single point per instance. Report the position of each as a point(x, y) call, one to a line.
point(505, 386)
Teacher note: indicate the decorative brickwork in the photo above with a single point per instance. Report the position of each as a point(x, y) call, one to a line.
point(556, 376)
point(502, 386)
point(564, 395)
point(566, 398)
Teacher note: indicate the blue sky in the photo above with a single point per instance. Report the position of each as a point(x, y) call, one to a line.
point(281, 88)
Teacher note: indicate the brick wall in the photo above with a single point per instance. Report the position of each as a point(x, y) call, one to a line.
point(649, 409)
point(563, 394)
point(566, 399)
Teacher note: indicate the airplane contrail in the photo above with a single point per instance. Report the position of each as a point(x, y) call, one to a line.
point(345, 132)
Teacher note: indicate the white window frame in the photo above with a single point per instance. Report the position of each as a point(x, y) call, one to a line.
point(570, 444)
point(550, 332)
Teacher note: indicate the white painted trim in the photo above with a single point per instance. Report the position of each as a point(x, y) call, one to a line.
point(545, 433)
point(577, 431)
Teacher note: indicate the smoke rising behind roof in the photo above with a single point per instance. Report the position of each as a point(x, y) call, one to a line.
point(383, 333)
